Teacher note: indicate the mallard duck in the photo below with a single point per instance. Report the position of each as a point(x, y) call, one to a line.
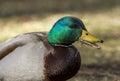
point(39, 56)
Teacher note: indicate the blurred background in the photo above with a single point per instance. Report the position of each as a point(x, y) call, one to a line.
point(101, 17)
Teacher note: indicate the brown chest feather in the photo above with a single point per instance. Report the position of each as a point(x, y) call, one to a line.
point(62, 64)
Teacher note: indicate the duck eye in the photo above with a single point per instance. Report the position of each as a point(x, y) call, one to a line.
point(86, 33)
point(74, 26)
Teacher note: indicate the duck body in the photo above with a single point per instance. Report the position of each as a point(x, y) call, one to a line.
point(34, 59)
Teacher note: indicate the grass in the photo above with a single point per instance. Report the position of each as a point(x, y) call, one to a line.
point(97, 65)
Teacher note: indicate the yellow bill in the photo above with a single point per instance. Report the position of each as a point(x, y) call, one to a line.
point(90, 40)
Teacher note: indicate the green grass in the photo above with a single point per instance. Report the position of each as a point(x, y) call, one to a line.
point(97, 65)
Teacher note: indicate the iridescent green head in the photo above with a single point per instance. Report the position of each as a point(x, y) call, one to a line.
point(69, 29)
point(66, 31)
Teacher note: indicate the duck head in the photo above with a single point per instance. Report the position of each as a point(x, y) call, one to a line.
point(69, 29)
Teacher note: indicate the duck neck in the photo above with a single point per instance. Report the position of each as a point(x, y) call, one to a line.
point(60, 51)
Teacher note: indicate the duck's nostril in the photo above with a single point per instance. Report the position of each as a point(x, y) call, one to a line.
point(101, 41)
